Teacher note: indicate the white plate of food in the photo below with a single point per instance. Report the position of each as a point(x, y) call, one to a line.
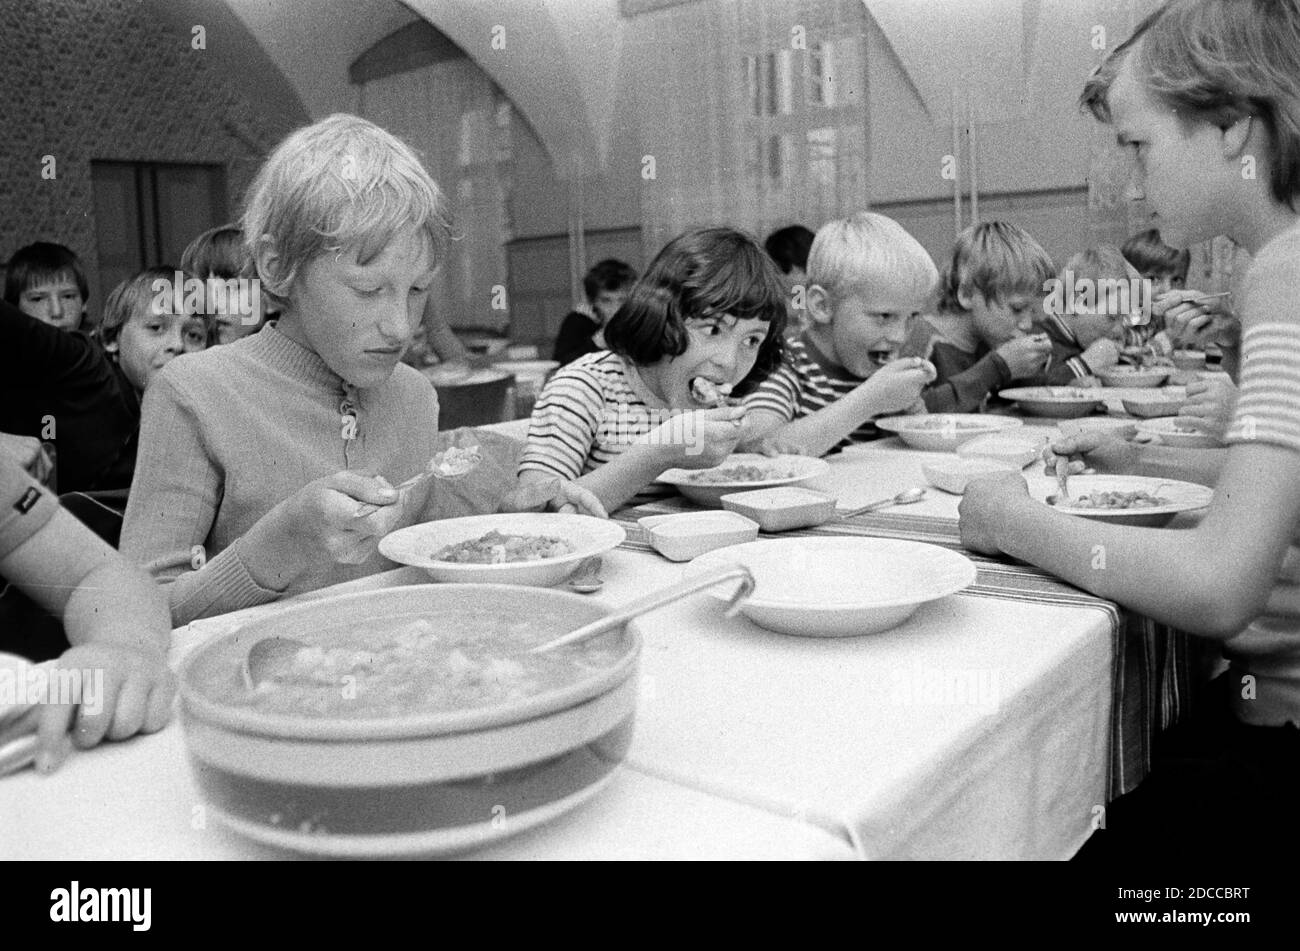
point(1124, 499)
point(839, 587)
point(1180, 436)
point(740, 472)
point(944, 432)
point(530, 548)
point(1056, 402)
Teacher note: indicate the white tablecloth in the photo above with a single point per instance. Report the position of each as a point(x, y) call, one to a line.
point(748, 744)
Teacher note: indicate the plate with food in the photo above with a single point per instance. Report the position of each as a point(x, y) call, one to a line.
point(840, 587)
point(742, 471)
point(1179, 435)
point(530, 548)
point(944, 432)
point(1125, 499)
point(404, 720)
point(1056, 402)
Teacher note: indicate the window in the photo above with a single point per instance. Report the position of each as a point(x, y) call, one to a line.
point(147, 212)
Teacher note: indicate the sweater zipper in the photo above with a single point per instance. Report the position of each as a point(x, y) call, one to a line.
point(349, 421)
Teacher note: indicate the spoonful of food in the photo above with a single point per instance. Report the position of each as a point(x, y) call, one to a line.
point(454, 462)
point(704, 390)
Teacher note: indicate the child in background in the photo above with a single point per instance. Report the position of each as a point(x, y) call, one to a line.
point(46, 281)
point(233, 505)
point(1200, 85)
point(606, 285)
point(114, 616)
point(984, 335)
point(868, 279)
point(1165, 267)
point(218, 256)
point(789, 248)
point(141, 329)
point(1089, 340)
point(710, 307)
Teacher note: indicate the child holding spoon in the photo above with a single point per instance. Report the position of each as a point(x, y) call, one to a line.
point(258, 460)
point(1228, 779)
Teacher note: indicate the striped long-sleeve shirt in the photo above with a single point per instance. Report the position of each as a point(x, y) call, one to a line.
point(1268, 411)
point(805, 383)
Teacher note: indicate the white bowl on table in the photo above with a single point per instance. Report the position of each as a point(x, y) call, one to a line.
point(1056, 402)
point(783, 508)
point(1141, 377)
point(395, 767)
point(952, 475)
point(706, 487)
point(1179, 496)
point(417, 545)
point(839, 587)
point(1172, 434)
point(688, 535)
point(1150, 404)
point(1118, 426)
point(1017, 449)
point(944, 432)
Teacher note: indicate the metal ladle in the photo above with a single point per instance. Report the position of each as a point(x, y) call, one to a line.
point(658, 599)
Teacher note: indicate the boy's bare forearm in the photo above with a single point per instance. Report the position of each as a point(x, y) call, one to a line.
point(1188, 465)
point(821, 431)
point(619, 479)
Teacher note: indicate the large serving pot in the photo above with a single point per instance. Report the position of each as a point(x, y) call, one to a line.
point(417, 782)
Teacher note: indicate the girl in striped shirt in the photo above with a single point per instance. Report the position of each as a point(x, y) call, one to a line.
point(708, 315)
point(1206, 97)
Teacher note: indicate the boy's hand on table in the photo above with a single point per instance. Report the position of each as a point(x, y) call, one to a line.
point(1025, 356)
point(553, 495)
point(1091, 451)
point(137, 694)
point(1209, 406)
point(897, 386)
point(984, 506)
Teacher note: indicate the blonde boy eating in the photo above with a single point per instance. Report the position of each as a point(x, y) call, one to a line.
point(260, 461)
point(868, 279)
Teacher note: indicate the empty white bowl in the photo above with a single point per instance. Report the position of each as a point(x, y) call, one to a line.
point(783, 508)
point(951, 475)
point(417, 544)
point(1017, 449)
point(690, 534)
point(839, 587)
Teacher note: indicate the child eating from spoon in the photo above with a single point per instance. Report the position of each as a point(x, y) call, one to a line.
point(257, 459)
point(868, 279)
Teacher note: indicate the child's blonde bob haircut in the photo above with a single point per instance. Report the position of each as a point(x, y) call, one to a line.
point(340, 184)
point(866, 253)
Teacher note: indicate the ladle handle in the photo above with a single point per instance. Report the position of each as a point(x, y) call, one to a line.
point(657, 599)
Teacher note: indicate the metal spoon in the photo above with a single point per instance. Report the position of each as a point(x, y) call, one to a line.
point(270, 658)
point(586, 578)
point(434, 471)
point(906, 497)
point(658, 599)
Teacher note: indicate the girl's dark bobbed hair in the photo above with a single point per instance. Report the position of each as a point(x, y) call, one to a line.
point(705, 272)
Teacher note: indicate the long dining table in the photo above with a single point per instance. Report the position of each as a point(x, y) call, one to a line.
point(995, 723)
